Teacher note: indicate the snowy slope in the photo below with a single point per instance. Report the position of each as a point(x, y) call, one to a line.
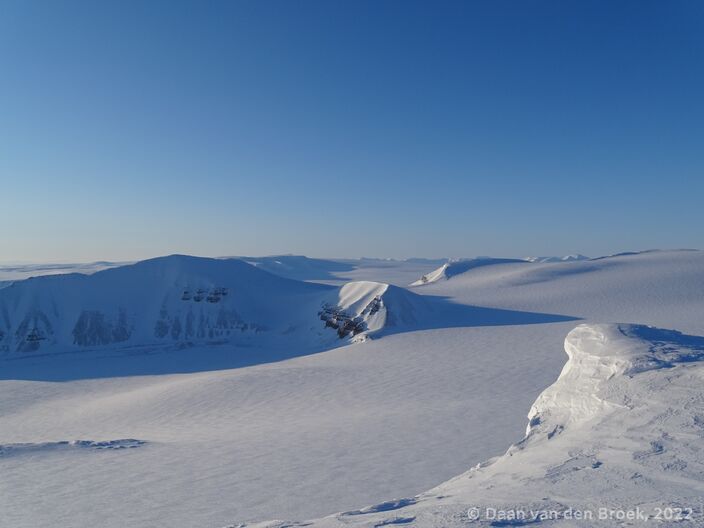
point(170, 300)
point(616, 438)
point(373, 306)
point(457, 267)
point(659, 288)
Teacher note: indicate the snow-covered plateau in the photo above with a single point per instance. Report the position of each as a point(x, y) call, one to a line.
point(194, 392)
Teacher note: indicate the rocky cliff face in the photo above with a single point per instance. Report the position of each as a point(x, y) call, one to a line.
point(349, 324)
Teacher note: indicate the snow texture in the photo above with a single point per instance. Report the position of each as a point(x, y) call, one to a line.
point(293, 422)
point(619, 431)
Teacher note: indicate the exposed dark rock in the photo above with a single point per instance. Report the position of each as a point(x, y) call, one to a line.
point(345, 324)
point(94, 328)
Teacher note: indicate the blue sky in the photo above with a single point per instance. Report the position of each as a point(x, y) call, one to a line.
point(380, 128)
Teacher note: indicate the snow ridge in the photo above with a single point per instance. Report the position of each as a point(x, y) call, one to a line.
point(457, 267)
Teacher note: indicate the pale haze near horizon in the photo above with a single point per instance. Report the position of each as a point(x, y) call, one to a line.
point(336, 129)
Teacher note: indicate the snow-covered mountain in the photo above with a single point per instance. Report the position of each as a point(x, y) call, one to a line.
point(181, 301)
point(175, 299)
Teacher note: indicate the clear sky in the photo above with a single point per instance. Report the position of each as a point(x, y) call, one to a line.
point(132, 129)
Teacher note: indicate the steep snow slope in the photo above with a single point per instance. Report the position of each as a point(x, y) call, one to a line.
point(373, 306)
point(457, 267)
point(615, 440)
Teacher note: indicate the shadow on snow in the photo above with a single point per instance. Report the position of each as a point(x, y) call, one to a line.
point(172, 359)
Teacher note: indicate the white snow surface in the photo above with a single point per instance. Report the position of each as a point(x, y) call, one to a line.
point(274, 428)
point(457, 267)
point(619, 431)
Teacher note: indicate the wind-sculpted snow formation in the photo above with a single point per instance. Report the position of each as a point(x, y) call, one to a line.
point(616, 440)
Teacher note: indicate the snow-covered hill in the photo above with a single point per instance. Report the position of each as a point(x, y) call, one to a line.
point(457, 267)
point(181, 301)
point(615, 440)
point(169, 300)
point(364, 307)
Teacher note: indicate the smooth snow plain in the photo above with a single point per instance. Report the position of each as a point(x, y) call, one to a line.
point(221, 435)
